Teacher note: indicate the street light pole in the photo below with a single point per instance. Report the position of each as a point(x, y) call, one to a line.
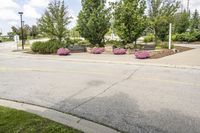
point(21, 13)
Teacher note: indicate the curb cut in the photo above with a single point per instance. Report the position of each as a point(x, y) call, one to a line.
point(66, 119)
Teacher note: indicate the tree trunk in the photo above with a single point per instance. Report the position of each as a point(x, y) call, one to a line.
point(135, 45)
point(156, 38)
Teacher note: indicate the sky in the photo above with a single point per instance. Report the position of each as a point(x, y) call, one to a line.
point(33, 10)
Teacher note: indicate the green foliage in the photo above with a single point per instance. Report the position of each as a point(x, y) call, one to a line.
point(164, 45)
point(34, 31)
point(195, 21)
point(28, 32)
point(48, 47)
point(115, 43)
point(149, 38)
point(5, 39)
point(174, 37)
point(15, 121)
point(76, 41)
point(17, 31)
point(161, 13)
point(182, 22)
point(84, 42)
point(74, 32)
point(187, 37)
point(93, 21)
point(129, 19)
point(53, 23)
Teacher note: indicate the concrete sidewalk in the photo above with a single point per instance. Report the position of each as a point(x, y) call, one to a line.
point(188, 58)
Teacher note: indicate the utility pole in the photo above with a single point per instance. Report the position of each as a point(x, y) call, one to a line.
point(21, 13)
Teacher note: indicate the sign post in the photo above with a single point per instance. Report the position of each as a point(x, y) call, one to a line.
point(16, 38)
point(170, 35)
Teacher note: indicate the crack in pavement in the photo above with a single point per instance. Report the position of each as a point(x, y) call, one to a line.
point(77, 93)
point(109, 87)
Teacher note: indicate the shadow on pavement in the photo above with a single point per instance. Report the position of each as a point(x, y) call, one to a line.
point(122, 113)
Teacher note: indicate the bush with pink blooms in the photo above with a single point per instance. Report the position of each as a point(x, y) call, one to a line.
point(119, 51)
point(63, 51)
point(97, 50)
point(142, 54)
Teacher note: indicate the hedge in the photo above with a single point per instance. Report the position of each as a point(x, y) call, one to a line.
point(48, 47)
point(187, 37)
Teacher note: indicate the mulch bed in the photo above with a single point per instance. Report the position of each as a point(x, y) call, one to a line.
point(167, 52)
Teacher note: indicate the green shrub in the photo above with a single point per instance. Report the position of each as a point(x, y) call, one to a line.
point(196, 34)
point(149, 38)
point(76, 41)
point(188, 37)
point(5, 39)
point(115, 43)
point(174, 37)
point(35, 46)
point(48, 47)
point(164, 45)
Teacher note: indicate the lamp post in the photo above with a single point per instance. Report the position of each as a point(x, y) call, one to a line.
point(21, 13)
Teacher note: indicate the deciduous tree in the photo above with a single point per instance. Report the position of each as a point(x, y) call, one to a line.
point(161, 13)
point(55, 20)
point(129, 19)
point(93, 21)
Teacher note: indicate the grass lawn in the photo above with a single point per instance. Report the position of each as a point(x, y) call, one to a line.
point(15, 121)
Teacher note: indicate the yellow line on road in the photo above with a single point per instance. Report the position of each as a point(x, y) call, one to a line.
point(7, 69)
point(166, 80)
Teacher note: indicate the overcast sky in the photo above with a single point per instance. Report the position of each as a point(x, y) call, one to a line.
point(33, 9)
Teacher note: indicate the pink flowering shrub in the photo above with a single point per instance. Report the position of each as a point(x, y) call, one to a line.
point(119, 51)
point(142, 54)
point(97, 50)
point(63, 51)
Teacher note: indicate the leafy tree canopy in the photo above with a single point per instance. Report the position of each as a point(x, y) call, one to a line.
point(129, 19)
point(55, 20)
point(161, 13)
point(195, 21)
point(93, 21)
point(182, 22)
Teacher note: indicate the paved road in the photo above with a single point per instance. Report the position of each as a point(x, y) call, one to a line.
point(130, 98)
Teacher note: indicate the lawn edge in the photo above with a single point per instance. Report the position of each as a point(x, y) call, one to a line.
point(57, 116)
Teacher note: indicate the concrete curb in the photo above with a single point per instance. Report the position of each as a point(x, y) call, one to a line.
point(124, 62)
point(66, 119)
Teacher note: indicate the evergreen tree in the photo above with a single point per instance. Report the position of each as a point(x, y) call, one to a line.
point(195, 21)
point(182, 22)
point(93, 21)
point(55, 20)
point(129, 19)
